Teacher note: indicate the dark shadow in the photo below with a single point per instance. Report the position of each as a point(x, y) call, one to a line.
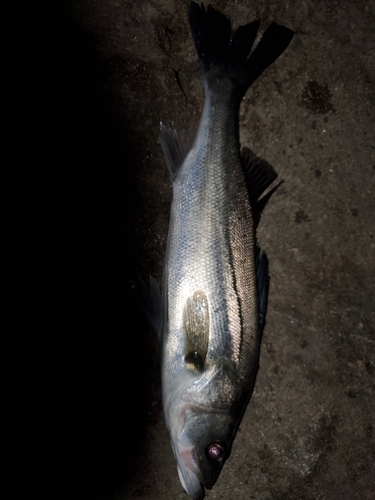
point(85, 392)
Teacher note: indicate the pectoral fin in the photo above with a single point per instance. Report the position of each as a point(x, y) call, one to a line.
point(261, 265)
point(196, 324)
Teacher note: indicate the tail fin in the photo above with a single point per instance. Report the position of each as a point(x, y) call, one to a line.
point(223, 57)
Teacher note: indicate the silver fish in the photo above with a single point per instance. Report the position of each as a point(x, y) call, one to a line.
point(215, 279)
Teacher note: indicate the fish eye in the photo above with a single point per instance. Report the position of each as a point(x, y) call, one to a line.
point(216, 452)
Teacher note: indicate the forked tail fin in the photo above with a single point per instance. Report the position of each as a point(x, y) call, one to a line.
point(222, 56)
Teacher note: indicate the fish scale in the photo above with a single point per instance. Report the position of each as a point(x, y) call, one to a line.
point(203, 206)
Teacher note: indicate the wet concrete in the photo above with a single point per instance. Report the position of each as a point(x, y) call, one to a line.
point(106, 73)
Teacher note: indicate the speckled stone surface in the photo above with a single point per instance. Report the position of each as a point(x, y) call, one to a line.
point(308, 432)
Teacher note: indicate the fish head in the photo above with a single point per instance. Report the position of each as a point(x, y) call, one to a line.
point(202, 448)
point(203, 420)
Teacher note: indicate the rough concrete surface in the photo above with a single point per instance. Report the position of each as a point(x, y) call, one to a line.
point(105, 74)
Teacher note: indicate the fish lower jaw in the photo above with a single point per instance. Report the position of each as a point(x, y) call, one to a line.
point(195, 489)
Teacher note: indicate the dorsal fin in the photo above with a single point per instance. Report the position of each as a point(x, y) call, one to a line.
point(259, 176)
point(175, 149)
point(196, 324)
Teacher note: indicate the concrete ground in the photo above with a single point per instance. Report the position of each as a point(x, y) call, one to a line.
point(105, 73)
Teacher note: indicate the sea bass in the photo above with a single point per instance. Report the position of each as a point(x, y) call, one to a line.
point(215, 278)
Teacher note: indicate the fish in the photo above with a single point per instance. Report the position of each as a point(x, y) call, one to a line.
point(211, 312)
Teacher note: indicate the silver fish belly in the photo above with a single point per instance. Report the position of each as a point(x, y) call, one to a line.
point(213, 275)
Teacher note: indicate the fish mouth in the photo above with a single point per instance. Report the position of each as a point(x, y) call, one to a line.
point(192, 485)
point(189, 472)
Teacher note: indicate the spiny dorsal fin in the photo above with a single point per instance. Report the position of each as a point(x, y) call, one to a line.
point(151, 303)
point(259, 176)
point(196, 324)
point(175, 149)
